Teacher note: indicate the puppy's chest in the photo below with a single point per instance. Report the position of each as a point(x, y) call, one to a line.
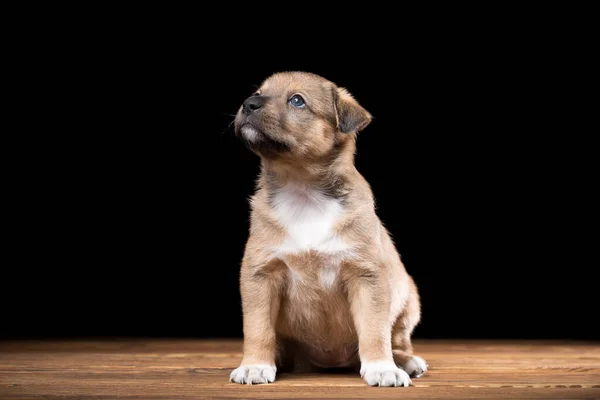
point(312, 248)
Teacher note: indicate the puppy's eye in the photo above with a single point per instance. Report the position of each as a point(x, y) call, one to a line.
point(256, 94)
point(297, 101)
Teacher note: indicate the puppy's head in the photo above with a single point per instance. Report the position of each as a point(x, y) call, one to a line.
point(300, 115)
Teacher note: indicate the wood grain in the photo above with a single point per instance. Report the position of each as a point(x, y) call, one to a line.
point(196, 369)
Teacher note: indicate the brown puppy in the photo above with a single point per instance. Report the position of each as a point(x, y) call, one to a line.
point(321, 281)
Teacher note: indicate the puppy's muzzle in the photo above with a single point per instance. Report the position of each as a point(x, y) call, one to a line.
point(252, 104)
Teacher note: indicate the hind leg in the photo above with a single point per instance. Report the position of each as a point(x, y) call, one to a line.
point(402, 331)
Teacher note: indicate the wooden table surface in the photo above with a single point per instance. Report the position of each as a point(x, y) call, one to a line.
point(196, 369)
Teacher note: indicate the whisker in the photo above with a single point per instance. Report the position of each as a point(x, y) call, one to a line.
point(231, 123)
point(228, 127)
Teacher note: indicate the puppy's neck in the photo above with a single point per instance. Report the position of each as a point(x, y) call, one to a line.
point(329, 175)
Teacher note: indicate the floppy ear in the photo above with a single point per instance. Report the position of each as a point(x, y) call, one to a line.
point(350, 116)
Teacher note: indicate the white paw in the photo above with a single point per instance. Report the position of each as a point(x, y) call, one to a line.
point(254, 373)
point(415, 367)
point(384, 374)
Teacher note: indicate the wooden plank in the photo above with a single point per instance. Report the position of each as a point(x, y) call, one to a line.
point(182, 369)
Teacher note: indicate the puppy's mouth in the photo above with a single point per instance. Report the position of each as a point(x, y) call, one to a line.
point(257, 140)
point(251, 134)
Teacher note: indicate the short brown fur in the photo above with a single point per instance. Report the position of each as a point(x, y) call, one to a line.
point(369, 314)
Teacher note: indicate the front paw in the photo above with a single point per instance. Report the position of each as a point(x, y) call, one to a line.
point(253, 373)
point(384, 373)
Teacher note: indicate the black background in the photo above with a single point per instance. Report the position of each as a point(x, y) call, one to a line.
point(132, 214)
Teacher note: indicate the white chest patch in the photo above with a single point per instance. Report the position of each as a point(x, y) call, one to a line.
point(309, 218)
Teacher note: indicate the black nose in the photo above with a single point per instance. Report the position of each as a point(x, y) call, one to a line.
point(252, 104)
